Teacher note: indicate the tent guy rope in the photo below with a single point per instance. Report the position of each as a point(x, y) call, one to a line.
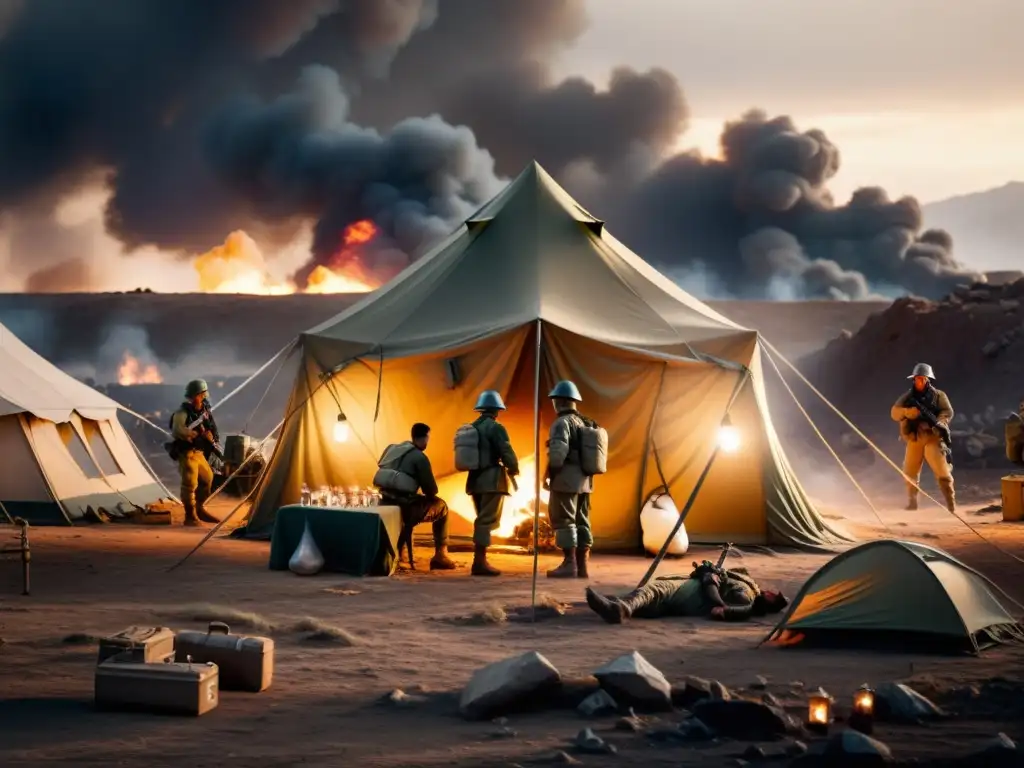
point(835, 455)
point(536, 473)
point(771, 348)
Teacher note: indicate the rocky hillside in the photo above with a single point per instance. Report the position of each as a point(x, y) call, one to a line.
point(974, 339)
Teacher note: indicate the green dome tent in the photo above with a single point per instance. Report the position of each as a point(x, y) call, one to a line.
point(897, 593)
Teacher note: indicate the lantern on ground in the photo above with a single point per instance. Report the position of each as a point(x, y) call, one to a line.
point(819, 712)
point(862, 716)
point(728, 436)
point(341, 429)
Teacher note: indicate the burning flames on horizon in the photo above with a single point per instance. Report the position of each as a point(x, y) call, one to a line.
point(133, 371)
point(238, 266)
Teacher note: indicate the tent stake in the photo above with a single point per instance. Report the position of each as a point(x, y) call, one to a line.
point(536, 473)
point(696, 489)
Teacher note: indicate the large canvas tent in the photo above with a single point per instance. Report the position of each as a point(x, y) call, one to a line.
point(533, 273)
point(64, 451)
point(897, 592)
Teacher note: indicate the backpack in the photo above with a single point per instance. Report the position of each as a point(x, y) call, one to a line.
point(469, 452)
point(593, 448)
point(389, 477)
point(1014, 433)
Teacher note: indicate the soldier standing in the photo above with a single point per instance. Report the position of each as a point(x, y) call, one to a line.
point(187, 449)
point(569, 507)
point(924, 414)
point(488, 485)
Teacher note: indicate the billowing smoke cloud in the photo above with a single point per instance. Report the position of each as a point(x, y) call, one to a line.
point(262, 115)
point(763, 221)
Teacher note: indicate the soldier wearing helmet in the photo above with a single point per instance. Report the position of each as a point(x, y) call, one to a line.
point(926, 442)
point(193, 463)
point(569, 507)
point(488, 485)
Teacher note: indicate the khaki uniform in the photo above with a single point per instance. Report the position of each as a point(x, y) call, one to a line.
point(196, 474)
point(489, 485)
point(417, 508)
point(923, 443)
point(569, 508)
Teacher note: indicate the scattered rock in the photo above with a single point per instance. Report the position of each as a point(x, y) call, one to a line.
point(850, 743)
point(590, 743)
point(629, 723)
point(760, 683)
point(695, 729)
point(597, 704)
point(573, 691)
point(507, 684)
point(634, 681)
point(797, 684)
point(770, 700)
point(503, 733)
point(694, 689)
point(719, 692)
point(744, 720)
point(1000, 751)
point(896, 702)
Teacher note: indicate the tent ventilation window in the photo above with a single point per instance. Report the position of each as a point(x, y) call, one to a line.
point(78, 451)
point(100, 449)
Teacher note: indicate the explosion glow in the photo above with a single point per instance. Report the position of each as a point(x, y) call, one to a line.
point(238, 266)
point(131, 371)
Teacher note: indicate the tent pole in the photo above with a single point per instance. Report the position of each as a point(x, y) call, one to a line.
point(696, 488)
point(536, 472)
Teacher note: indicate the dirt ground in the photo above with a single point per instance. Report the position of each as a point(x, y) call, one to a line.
point(407, 632)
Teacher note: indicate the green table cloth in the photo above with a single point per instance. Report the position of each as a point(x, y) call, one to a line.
point(361, 542)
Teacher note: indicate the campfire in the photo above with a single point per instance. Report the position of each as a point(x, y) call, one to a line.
point(238, 266)
point(132, 371)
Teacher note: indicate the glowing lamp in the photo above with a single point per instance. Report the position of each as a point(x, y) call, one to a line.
point(862, 716)
point(341, 429)
point(819, 712)
point(728, 436)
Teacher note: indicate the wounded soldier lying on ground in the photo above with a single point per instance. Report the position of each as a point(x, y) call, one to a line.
point(729, 595)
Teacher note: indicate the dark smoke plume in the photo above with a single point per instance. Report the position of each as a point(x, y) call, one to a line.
point(761, 222)
point(206, 117)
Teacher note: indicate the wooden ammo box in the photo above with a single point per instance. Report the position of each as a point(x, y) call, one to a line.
point(146, 644)
point(186, 689)
point(246, 663)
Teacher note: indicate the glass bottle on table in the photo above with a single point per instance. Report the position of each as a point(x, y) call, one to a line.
point(306, 497)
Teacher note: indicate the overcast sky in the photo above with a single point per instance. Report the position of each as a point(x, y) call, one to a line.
point(922, 96)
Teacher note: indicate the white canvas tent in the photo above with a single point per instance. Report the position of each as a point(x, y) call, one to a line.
point(63, 449)
point(534, 274)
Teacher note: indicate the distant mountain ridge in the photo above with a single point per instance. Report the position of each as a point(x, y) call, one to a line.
point(987, 227)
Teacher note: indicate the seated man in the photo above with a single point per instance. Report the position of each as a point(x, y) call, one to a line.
point(403, 470)
point(729, 595)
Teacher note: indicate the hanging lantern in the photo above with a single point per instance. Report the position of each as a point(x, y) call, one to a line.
point(819, 712)
point(862, 716)
point(728, 436)
point(341, 429)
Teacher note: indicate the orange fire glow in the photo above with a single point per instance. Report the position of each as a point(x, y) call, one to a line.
point(238, 266)
point(132, 371)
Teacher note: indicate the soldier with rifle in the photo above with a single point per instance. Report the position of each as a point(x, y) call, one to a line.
point(924, 414)
point(710, 590)
point(195, 439)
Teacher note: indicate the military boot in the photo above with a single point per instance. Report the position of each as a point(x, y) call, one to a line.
point(567, 569)
point(912, 503)
point(615, 610)
point(191, 519)
point(480, 565)
point(949, 493)
point(582, 560)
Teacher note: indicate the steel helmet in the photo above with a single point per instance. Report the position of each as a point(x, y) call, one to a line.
point(565, 390)
point(922, 369)
point(196, 387)
point(489, 400)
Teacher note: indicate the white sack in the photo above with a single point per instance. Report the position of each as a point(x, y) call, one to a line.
point(307, 559)
point(657, 519)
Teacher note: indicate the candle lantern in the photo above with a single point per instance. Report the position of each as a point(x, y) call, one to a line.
point(862, 716)
point(819, 712)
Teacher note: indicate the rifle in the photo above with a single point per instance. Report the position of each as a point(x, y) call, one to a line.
point(929, 418)
point(706, 566)
point(201, 442)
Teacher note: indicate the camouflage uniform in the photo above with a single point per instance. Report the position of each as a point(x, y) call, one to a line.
point(691, 595)
point(193, 465)
point(418, 508)
point(489, 485)
point(923, 444)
